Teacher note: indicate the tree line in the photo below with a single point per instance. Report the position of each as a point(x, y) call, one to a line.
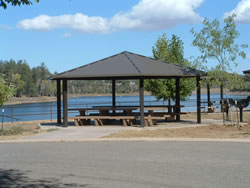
point(30, 82)
point(102, 86)
point(34, 82)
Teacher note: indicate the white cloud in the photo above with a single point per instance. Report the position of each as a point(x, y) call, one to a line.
point(78, 22)
point(248, 56)
point(66, 35)
point(242, 10)
point(147, 15)
point(158, 14)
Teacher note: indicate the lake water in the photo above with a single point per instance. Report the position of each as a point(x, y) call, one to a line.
point(47, 110)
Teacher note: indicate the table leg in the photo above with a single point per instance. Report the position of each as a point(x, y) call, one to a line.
point(76, 122)
point(83, 121)
point(96, 122)
point(124, 122)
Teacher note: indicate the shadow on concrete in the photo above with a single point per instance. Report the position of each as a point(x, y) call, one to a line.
point(55, 124)
point(118, 123)
point(18, 178)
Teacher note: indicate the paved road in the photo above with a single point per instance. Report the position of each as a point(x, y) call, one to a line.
point(125, 164)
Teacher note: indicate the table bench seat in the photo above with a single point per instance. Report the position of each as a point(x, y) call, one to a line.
point(126, 120)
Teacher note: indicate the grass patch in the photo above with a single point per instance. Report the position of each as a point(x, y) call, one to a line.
point(219, 116)
point(51, 130)
point(20, 129)
point(215, 131)
point(12, 131)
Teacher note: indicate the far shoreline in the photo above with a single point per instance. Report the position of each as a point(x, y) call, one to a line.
point(44, 99)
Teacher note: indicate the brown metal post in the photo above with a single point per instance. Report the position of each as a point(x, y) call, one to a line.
point(241, 114)
point(65, 104)
point(221, 98)
point(177, 103)
point(59, 113)
point(208, 95)
point(113, 94)
point(142, 102)
point(198, 99)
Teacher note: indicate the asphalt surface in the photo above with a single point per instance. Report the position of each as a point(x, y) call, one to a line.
point(125, 164)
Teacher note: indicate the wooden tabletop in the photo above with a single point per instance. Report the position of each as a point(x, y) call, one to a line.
point(122, 108)
point(115, 108)
point(103, 108)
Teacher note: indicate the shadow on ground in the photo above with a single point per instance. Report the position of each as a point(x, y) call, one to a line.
point(55, 124)
point(71, 123)
point(18, 178)
point(117, 123)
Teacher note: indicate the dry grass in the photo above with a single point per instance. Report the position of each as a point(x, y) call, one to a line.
point(217, 131)
point(219, 116)
point(20, 130)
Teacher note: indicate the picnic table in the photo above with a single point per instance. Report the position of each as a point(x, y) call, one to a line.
point(105, 110)
point(107, 113)
point(104, 115)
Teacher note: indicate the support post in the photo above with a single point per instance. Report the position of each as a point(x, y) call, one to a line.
point(59, 113)
point(65, 104)
point(177, 103)
point(198, 99)
point(241, 115)
point(142, 102)
point(113, 95)
point(221, 98)
point(208, 95)
point(209, 103)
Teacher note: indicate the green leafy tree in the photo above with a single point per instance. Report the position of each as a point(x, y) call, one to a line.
point(29, 88)
point(40, 73)
point(48, 88)
point(219, 44)
point(4, 3)
point(171, 51)
point(6, 91)
point(28, 82)
point(16, 80)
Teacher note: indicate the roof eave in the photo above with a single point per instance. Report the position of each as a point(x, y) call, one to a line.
point(145, 76)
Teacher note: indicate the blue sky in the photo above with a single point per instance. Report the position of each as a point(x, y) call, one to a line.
point(69, 33)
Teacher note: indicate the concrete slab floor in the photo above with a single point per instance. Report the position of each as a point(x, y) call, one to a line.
point(93, 132)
